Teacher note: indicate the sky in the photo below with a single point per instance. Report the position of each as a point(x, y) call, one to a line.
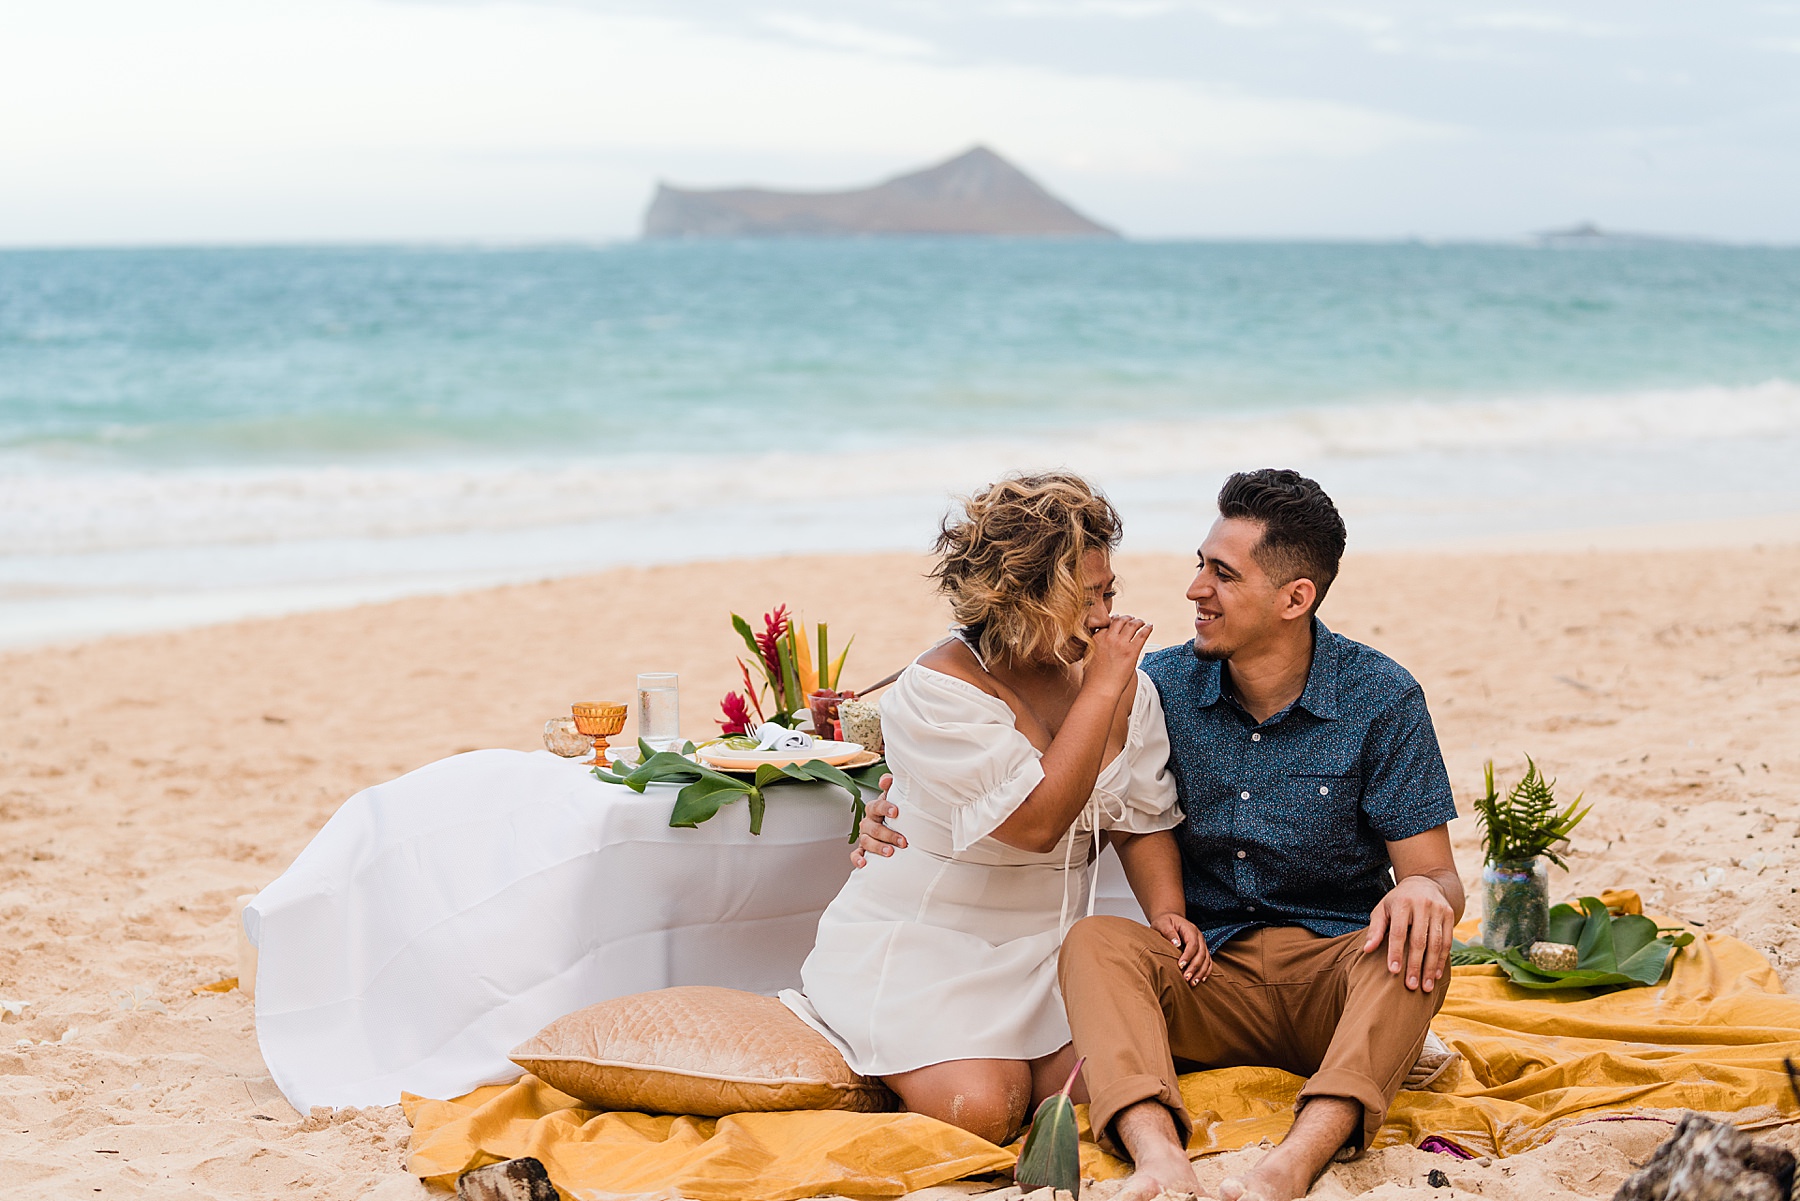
point(231, 121)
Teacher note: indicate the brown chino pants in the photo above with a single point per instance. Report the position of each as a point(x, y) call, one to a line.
point(1278, 996)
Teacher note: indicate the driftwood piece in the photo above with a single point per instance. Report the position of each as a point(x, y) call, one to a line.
point(1706, 1160)
point(521, 1179)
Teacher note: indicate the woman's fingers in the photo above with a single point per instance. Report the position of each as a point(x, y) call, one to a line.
point(1192, 958)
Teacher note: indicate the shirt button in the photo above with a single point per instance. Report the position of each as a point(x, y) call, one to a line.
point(1243, 854)
point(1324, 791)
point(1243, 796)
point(1249, 909)
point(1256, 738)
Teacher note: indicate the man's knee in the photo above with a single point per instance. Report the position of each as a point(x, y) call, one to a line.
point(1370, 969)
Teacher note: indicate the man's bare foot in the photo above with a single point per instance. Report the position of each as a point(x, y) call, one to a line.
point(1159, 1172)
point(1271, 1180)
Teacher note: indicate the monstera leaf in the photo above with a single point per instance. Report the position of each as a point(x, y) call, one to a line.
point(1613, 952)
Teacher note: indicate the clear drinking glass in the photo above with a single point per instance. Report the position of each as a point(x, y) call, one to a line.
point(659, 709)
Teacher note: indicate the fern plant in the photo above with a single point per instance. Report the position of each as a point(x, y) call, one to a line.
point(1526, 823)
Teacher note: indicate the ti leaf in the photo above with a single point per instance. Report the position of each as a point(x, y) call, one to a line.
point(706, 791)
point(1051, 1157)
point(705, 797)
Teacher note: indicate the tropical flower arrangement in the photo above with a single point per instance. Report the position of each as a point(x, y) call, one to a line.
point(786, 678)
point(783, 656)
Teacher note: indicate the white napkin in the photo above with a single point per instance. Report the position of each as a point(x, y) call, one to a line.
point(771, 737)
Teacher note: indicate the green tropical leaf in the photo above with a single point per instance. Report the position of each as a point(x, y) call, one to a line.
point(748, 635)
point(1051, 1157)
point(706, 791)
point(703, 798)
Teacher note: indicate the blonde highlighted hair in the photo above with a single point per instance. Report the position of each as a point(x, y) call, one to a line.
point(1010, 564)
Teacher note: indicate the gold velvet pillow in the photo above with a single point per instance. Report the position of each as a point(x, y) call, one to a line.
point(696, 1050)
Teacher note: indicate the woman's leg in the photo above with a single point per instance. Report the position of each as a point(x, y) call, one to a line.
point(1049, 1074)
point(989, 1098)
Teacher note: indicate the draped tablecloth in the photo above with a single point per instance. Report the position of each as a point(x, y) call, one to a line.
point(440, 919)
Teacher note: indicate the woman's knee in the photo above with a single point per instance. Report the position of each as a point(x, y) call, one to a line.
point(989, 1099)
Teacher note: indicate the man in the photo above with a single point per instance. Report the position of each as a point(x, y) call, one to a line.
point(1308, 771)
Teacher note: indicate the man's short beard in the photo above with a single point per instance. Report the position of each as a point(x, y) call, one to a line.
point(1206, 656)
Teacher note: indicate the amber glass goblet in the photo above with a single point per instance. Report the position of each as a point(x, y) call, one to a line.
point(599, 720)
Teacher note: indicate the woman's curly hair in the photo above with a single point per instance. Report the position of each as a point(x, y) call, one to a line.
point(1011, 566)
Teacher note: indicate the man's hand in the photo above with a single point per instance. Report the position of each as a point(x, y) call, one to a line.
point(876, 838)
point(1195, 960)
point(1418, 922)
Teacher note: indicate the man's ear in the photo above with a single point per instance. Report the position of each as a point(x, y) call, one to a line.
point(1297, 599)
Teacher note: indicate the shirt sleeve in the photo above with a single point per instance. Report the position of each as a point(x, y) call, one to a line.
point(1149, 800)
point(962, 746)
point(1406, 790)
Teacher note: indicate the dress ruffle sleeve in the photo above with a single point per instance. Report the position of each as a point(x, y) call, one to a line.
point(964, 747)
point(1148, 801)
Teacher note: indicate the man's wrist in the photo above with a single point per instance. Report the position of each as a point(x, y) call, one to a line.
point(1431, 880)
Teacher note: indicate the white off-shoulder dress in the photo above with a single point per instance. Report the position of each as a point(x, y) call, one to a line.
point(947, 949)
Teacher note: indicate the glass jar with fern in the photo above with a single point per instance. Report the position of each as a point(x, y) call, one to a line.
point(1519, 833)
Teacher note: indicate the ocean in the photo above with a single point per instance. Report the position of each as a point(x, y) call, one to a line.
point(190, 435)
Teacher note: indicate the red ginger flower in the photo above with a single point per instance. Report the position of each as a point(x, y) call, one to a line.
point(775, 627)
point(737, 715)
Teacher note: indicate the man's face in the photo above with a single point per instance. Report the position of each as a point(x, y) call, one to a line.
point(1236, 603)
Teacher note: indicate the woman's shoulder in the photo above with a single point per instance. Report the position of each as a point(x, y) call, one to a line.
point(937, 687)
point(953, 658)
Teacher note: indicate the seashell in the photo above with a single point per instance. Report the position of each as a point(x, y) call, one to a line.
point(1553, 956)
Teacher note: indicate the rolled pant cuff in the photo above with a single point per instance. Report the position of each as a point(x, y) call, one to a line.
point(1351, 1086)
point(1120, 1095)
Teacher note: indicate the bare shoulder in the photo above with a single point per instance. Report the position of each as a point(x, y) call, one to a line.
point(952, 657)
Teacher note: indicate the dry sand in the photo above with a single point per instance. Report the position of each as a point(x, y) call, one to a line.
point(147, 781)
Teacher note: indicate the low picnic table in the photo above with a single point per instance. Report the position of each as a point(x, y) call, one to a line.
point(441, 919)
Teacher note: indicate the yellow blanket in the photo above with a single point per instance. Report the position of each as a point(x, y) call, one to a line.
point(1711, 1038)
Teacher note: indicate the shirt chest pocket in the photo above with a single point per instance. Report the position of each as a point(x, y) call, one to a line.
point(1333, 802)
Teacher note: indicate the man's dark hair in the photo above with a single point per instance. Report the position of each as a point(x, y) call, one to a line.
point(1303, 536)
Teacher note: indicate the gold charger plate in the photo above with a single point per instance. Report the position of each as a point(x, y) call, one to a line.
point(835, 754)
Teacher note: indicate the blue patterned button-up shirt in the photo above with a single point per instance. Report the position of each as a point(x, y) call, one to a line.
point(1287, 821)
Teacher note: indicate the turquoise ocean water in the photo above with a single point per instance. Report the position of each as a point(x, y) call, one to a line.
point(195, 433)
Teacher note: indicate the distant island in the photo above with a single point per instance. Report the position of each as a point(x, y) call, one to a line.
point(975, 193)
point(1589, 235)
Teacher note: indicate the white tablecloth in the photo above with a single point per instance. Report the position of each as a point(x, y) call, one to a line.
point(442, 918)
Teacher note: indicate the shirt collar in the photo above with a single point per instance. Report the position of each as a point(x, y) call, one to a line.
point(1319, 698)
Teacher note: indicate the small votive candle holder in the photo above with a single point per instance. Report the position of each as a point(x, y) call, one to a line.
point(562, 738)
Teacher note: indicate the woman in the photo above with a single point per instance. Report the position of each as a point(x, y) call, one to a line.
point(1013, 745)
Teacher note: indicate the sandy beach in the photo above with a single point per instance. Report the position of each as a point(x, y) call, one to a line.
point(145, 782)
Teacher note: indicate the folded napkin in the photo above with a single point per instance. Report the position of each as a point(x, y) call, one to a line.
point(771, 737)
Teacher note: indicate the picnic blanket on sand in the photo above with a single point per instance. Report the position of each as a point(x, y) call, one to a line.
point(1711, 1038)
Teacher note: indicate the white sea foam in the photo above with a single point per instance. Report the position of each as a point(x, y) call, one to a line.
point(46, 511)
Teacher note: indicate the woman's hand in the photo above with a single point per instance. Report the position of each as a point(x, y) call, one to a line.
point(1112, 663)
point(1190, 945)
point(875, 837)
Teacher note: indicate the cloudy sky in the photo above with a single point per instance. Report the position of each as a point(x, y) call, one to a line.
point(143, 121)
